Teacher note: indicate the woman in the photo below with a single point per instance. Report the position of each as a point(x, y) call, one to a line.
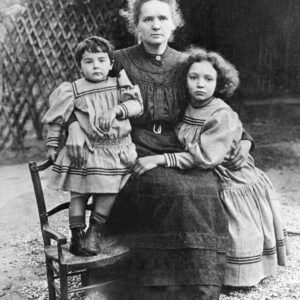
point(173, 219)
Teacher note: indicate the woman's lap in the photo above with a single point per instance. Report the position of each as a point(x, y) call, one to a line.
point(175, 222)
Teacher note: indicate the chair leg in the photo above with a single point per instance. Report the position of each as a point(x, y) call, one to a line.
point(85, 281)
point(85, 278)
point(50, 279)
point(63, 283)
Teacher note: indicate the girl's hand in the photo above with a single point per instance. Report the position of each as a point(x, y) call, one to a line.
point(106, 119)
point(239, 156)
point(75, 144)
point(147, 163)
point(51, 153)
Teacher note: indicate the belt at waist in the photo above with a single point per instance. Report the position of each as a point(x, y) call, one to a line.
point(157, 127)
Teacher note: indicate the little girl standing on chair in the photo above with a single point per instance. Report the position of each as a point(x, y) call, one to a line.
point(210, 130)
point(105, 104)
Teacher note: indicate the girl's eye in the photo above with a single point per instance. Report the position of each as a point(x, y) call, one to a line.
point(192, 77)
point(148, 19)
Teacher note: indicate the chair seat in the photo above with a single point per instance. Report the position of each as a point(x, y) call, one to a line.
point(111, 253)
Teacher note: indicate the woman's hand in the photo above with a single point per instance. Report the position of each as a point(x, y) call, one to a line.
point(239, 156)
point(106, 119)
point(76, 141)
point(147, 163)
point(51, 153)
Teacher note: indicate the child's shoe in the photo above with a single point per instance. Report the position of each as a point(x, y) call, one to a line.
point(76, 247)
point(94, 237)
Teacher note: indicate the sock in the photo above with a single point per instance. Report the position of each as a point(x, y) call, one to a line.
point(98, 218)
point(77, 222)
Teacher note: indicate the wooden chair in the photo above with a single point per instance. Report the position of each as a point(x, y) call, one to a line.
point(60, 263)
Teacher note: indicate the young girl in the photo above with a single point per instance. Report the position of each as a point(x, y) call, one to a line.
point(210, 131)
point(106, 103)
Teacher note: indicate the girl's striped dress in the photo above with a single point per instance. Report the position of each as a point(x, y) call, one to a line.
point(107, 168)
point(257, 239)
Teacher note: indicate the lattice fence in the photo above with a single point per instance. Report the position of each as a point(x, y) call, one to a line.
point(37, 55)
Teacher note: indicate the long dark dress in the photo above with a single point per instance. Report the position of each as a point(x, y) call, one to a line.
point(172, 219)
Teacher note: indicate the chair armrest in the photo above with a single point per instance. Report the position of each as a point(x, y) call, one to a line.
point(53, 234)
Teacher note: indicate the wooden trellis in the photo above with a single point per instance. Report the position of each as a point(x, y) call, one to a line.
point(38, 54)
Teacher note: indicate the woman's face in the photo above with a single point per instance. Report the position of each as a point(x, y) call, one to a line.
point(155, 22)
point(201, 81)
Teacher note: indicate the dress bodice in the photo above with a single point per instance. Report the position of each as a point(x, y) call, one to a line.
point(159, 78)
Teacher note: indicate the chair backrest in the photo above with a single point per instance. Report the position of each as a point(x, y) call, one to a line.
point(39, 194)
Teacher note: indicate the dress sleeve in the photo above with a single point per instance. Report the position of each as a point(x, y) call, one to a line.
point(181, 160)
point(220, 134)
point(246, 136)
point(131, 99)
point(61, 102)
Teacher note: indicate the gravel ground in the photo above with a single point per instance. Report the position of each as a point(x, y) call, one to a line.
point(285, 285)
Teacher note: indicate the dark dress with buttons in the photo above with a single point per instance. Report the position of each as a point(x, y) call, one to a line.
point(172, 219)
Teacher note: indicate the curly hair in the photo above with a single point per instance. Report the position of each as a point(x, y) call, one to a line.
point(94, 44)
point(227, 74)
point(134, 10)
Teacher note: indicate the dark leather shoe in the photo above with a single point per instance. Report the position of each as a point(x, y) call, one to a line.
point(94, 238)
point(76, 246)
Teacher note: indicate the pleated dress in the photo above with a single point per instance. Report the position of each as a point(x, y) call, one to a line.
point(107, 168)
point(257, 235)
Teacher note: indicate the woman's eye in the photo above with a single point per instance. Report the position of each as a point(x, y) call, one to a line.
point(147, 20)
point(192, 77)
point(163, 18)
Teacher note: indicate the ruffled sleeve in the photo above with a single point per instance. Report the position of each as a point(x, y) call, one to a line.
point(131, 100)
point(220, 134)
point(61, 102)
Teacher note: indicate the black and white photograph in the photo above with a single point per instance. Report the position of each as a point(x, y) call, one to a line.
point(150, 149)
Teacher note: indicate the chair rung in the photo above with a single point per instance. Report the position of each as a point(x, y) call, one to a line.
point(54, 269)
point(76, 273)
point(85, 288)
point(70, 274)
point(56, 288)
